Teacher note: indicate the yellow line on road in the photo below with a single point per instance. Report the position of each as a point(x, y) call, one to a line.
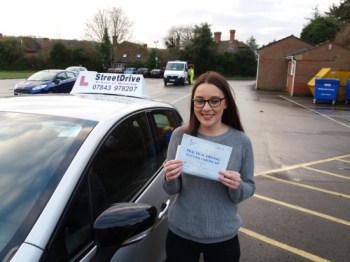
point(309, 187)
point(302, 165)
point(273, 242)
point(325, 172)
point(343, 160)
point(341, 221)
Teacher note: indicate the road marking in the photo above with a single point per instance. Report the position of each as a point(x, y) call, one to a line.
point(302, 165)
point(180, 99)
point(325, 172)
point(273, 242)
point(334, 219)
point(315, 111)
point(343, 160)
point(309, 187)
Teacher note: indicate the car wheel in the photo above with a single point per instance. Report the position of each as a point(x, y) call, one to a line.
point(165, 83)
point(50, 91)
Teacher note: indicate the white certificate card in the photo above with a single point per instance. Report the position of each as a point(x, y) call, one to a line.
point(203, 158)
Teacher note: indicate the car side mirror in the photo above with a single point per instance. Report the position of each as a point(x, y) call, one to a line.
point(120, 225)
point(56, 81)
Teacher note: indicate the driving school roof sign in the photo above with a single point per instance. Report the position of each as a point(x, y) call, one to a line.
point(89, 82)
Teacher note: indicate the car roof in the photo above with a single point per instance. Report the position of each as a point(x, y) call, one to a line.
point(53, 70)
point(94, 107)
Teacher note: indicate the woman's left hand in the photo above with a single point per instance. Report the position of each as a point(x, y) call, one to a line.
point(230, 178)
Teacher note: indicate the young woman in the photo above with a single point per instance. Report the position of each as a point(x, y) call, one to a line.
point(203, 218)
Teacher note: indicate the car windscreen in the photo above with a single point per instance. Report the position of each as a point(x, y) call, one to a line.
point(35, 152)
point(175, 66)
point(41, 76)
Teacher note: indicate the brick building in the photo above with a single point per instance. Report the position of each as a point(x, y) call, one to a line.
point(272, 65)
point(290, 63)
point(306, 63)
point(231, 46)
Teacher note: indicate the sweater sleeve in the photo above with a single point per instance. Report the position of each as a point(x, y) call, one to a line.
point(246, 188)
point(173, 187)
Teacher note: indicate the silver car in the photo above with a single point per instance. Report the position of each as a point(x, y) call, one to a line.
point(81, 178)
point(76, 69)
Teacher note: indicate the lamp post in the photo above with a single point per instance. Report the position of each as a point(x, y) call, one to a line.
point(156, 42)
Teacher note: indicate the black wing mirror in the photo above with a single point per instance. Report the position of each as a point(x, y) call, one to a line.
point(120, 225)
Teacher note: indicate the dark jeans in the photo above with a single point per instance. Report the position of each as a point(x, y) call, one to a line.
point(179, 249)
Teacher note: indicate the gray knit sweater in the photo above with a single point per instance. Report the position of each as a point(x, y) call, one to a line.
point(205, 210)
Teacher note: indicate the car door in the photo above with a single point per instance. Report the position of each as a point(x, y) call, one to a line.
point(71, 78)
point(62, 83)
point(125, 168)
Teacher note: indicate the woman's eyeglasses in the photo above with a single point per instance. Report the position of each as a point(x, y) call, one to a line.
point(214, 102)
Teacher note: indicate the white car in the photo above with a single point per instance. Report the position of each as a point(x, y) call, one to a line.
point(81, 177)
point(76, 69)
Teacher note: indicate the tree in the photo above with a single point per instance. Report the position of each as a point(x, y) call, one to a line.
point(59, 56)
point(11, 49)
point(246, 63)
point(151, 61)
point(201, 50)
point(105, 49)
point(343, 36)
point(117, 24)
point(340, 13)
point(178, 37)
point(251, 42)
point(319, 30)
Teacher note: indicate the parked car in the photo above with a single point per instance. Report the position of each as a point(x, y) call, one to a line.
point(157, 73)
point(130, 70)
point(47, 81)
point(76, 69)
point(82, 175)
point(116, 70)
point(143, 71)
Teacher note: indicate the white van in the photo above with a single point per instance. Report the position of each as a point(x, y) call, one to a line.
point(176, 73)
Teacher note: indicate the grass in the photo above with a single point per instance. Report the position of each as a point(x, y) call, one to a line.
point(15, 74)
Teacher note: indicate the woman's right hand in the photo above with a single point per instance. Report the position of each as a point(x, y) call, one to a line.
point(172, 169)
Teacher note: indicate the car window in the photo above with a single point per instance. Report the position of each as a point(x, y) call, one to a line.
point(164, 123)
point(126, 160)
point(71, 75)
point(74, 233)
point(61, 76)
point(29, 172)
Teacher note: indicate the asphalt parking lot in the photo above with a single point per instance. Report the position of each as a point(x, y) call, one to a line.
point(301, 208)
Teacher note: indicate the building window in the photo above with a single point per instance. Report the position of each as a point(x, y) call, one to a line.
point(125, 55)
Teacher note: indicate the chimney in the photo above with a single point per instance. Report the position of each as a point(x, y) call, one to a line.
point(46, 42)
point(232, 35)
point(0, 35)
point(217, 37)
point(144, 45)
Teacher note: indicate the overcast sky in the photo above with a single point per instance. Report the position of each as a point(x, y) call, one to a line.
point(266, 20)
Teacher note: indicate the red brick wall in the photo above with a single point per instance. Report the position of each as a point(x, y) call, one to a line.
point(312, 61)
point(272, 71)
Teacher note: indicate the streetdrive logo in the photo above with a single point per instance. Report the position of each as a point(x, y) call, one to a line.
point(90, 82)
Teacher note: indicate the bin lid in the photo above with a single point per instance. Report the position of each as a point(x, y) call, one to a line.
point(328, 80)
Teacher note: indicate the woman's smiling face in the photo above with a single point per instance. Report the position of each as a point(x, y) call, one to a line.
point(209, 117)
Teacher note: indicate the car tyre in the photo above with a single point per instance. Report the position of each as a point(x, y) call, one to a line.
point(165, 83)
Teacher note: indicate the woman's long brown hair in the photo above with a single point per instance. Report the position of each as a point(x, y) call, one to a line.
point(230, 116)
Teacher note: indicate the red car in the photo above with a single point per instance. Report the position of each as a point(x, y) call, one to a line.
point(116, 70)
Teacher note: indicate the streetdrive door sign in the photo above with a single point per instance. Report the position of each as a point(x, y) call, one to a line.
point(89, 82)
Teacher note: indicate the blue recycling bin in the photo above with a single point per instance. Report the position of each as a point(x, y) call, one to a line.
point(326, 89)
point(347, 92)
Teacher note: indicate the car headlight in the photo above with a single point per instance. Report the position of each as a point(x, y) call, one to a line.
point(39, 87)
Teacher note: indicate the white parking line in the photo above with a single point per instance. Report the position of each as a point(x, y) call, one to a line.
point(315, 111)
point(180, 99)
